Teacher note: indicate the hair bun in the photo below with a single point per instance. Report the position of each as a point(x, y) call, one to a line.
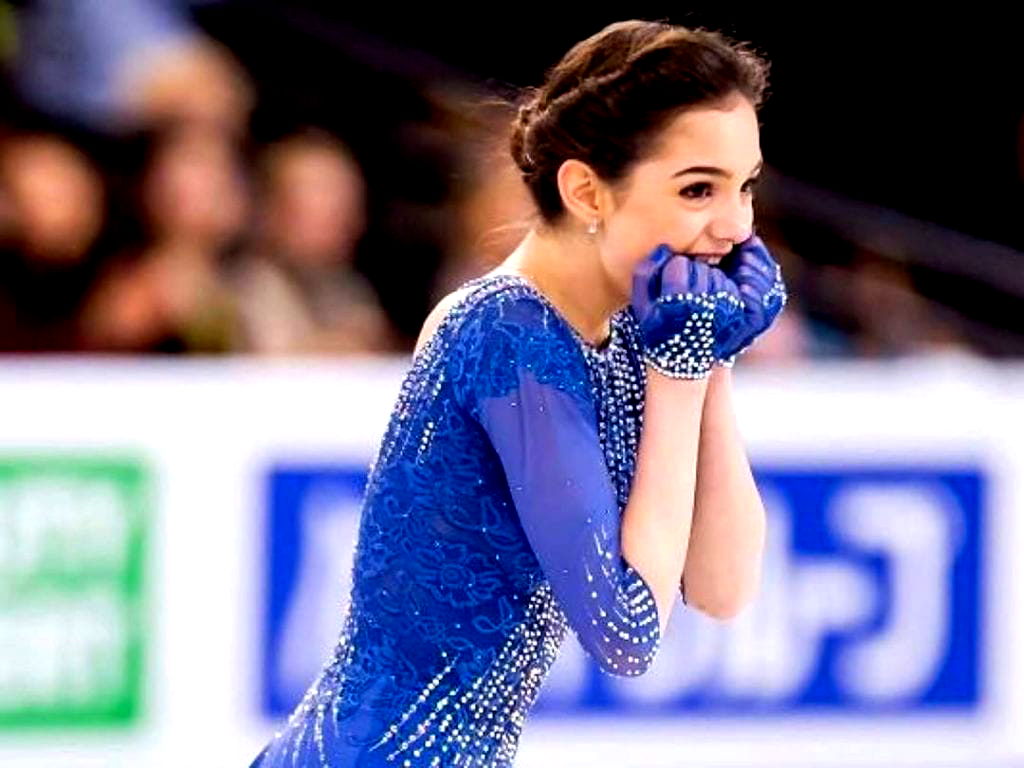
point(521, 135)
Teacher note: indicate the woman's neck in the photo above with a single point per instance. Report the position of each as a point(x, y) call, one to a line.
point(566, 269)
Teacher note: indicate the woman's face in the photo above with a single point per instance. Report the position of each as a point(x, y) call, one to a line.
point(693, 193)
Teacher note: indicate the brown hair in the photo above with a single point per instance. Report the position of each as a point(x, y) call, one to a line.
point(610, 95)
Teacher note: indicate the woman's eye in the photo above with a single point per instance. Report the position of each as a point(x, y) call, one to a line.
point(705, 189)
point(696, 191)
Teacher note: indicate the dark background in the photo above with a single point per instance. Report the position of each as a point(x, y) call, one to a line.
point(893, 145)
point(920, 113)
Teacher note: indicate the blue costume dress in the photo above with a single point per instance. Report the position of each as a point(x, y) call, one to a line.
point(490, 524)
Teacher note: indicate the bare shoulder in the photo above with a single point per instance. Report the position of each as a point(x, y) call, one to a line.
point(437, 314)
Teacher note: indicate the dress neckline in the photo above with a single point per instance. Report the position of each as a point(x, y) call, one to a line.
point(600, 349)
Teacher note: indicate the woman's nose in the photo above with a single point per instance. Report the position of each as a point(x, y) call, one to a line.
point(734, 224)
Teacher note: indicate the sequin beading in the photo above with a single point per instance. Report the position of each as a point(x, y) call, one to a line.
point(453, 623)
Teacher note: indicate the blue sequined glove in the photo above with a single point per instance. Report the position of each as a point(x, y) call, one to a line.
point(690, 314)
point(759, 279)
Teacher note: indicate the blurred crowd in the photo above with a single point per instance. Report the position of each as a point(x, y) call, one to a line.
point(140, 214)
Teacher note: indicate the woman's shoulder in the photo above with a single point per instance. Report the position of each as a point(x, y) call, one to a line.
point(492, 329)
point(438, 314)
point(483, 300)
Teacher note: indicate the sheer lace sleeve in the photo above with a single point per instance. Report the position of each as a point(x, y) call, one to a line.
point(527, 384)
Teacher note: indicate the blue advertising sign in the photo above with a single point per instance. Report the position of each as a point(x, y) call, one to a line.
point(312, 522)
point(870, 601)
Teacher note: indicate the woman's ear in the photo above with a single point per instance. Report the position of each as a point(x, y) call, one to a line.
point(582, 192)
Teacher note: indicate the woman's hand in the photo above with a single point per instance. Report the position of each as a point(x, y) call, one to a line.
point(759, 278)
point(691, 315)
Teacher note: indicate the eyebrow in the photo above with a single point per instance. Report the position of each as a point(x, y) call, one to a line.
point(714, 171)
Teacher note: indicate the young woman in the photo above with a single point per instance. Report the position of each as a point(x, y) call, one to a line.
point(563, 453)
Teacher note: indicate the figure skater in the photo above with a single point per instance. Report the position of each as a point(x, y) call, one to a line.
point(564, 452)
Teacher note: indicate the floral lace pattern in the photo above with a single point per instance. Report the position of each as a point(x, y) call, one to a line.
point(453, 623)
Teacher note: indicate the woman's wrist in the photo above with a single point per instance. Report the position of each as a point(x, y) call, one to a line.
point(657, 380)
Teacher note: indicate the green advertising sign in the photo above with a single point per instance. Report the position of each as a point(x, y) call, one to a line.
point(73, 533)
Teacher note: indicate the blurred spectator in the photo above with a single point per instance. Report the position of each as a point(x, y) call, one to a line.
point(494, 208)
point(52, 205)
point(167, 294)
point(297, 289)
point(893, 319)
point(868, 304)
point(122, 64)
